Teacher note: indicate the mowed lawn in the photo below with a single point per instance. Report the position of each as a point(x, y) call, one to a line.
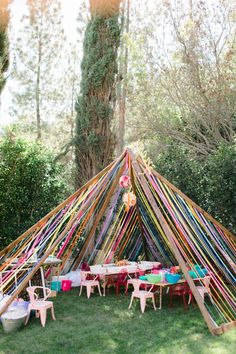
point(105, 325)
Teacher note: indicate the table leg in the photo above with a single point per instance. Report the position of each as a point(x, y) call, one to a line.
point(160, 299)
point(58, 271)
point(43, 281)
point(104, 288)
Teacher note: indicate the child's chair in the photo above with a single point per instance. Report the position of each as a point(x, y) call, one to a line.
point(203, 289)
point(179, 290)
point(118, 280)
point(40, 305)
point(89, 284)
point(143, 295)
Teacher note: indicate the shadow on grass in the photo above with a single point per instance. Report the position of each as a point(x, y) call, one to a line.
point(105, 325)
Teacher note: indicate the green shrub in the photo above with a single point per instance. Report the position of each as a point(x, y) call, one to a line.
point(210, 183)
point(31, 184)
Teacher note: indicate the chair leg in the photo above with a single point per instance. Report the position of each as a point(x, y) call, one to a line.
point(88, 288)
point(80, 291)
point(212, 301)
point(185, 303)
point(142, 304)
point(117, 289)
point(43, 316)
point(131, 301)
point(170, 302)
point(53, 313)
point(190, 298)
point(153, 301)
point(99, 290)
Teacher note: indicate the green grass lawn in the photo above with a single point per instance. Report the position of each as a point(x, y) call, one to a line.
point(105, 325)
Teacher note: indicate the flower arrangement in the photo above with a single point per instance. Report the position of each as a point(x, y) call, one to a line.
point(122, 263)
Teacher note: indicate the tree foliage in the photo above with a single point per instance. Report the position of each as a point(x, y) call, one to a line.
point(37, 50)
point(95, 142)
point(31, 184)
point(210, 183)
point(182, 76)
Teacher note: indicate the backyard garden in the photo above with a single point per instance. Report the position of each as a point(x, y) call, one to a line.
point(117, 177)
point(105, 325)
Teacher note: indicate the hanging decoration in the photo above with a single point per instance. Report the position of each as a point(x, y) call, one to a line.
point(129, 200)
point(124, 181)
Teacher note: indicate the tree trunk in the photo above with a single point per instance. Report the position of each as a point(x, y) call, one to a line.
point(122, 89)
point(4, 50)
point(94, 140)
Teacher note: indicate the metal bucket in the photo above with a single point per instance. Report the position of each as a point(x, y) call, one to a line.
point(13, 322)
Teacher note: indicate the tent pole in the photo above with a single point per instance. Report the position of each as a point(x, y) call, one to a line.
point(131, 156)
point(225, 328)
point(209, 321)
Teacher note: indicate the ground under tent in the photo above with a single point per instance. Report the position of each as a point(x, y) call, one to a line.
point(128, 210)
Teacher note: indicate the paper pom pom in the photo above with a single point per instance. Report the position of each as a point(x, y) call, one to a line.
point(129, 200)
point(124, 181)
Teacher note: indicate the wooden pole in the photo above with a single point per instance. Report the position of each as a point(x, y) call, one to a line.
point(139, 174)
point(55, 243)
point(225, 328)
point(175, 189)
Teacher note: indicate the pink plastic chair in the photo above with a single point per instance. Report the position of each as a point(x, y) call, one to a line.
point(40, 305)
point(89, 284)
point(203, 289)
point(130, 281)
point(143, 295)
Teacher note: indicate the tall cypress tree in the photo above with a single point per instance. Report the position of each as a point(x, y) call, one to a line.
point(95, 142)
point(4, 54)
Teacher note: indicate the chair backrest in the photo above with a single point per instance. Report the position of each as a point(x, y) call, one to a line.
point(122, 275)
point(85, 267)
point(34, 296)
point(140, 272)
point(180, 289)
point(136, 284)
point(206, 282)
point(157, 267)
point(83, 275)
point(155, 271)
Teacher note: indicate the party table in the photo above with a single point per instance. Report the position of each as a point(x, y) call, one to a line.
point(49, 262)
point(106, 270)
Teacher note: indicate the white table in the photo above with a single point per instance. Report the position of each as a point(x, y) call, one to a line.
point(48, 262)
point(106, 270)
